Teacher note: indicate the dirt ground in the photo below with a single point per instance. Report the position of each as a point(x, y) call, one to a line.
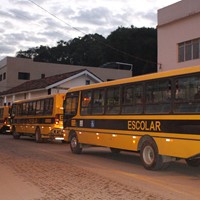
point(31, 171)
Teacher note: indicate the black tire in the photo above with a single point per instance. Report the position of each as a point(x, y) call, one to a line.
point(74, 144)
point(115, 151)
point(15, 134)
point(149, 155)
point(193, 162)
point(38, 137)
point(3, 130)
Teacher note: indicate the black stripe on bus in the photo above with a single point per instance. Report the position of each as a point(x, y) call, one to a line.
point(166, 126)
point(34, 121)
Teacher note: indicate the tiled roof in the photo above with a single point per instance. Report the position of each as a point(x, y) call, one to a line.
point(41, 83)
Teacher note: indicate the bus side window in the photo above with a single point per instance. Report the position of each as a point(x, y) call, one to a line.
point(71, 105)
point(40, 107)
point(25, 108)
point(17, 109)
point(187, 95)
point(132, 102)
point(98, 101)
point(197, 94)
point(113, 100)
point(31, 108)
point(158, 96)
point(128, 95)
point(48, 106)
point(86, 102)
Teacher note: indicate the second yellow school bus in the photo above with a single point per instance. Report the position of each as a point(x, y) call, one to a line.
point(157, 115)
point(40, 117)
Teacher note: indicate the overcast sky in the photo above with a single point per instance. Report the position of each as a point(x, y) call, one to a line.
point(31, 23)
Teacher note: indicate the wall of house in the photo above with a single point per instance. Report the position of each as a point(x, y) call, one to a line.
point(58, 90)
point(77, 82)
point(177, 23)
point(9, 99)
point(14, 65)
point(38, 93)
point(62, 88)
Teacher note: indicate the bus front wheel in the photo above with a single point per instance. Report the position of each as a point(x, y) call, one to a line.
point(149, 155)
point(74, 144)
point(15, 134)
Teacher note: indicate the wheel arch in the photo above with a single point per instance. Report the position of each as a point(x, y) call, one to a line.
point(71, 132)
point(37, 128)
point(143, 139)
point(13, 128)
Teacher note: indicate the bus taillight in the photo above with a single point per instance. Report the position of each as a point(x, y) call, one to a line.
point(57, 119)
point(5, 120)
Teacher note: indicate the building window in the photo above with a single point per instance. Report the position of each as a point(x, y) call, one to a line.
point(189, 50)
point(4, 75)
point(87, 82)
point(49, 91)
point(196, 49)
point(0, 77)
point(42, 75)
point(23, 76)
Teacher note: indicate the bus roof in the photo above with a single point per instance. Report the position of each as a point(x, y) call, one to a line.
point(39, 97)
point(182, 71)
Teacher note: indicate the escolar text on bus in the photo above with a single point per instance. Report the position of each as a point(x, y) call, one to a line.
point(144, 125)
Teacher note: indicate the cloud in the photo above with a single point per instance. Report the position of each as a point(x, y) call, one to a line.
point(96, 16)
point(7, 49)
point(5, 14)
point(53, 35)
point(21, 15)
point(24, 24)
point(151, 16)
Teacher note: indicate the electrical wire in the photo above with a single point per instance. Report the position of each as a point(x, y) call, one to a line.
point(107, 45)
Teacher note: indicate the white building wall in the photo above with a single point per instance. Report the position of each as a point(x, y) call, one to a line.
point(177, 23)
point(81, 80)
point(58, 91)
point(77, 82)
point(38, 93)
point(11, 66)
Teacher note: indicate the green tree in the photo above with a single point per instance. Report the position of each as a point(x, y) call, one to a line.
point(136, 46)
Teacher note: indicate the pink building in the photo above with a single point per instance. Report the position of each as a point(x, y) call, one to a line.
point(179, 35)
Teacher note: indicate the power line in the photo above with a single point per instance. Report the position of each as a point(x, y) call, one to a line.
point(107, 45)
point(56, 17)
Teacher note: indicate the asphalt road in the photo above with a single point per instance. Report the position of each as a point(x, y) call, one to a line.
point(49, 171)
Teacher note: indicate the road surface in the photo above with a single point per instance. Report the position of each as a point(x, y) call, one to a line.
point(49, 171)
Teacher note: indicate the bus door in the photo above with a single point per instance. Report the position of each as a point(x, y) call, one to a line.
point(70, 108)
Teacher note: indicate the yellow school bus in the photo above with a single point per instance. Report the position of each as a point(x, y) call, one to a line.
point(156, 115)
point(41, 118)
point(4, 119)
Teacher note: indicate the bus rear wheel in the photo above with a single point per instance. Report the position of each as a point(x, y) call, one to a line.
point(193, 162)
point(38, 137)
point(149, 155)
point(74, 144)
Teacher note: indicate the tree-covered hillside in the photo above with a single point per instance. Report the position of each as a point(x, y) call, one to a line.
point(136, 46)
